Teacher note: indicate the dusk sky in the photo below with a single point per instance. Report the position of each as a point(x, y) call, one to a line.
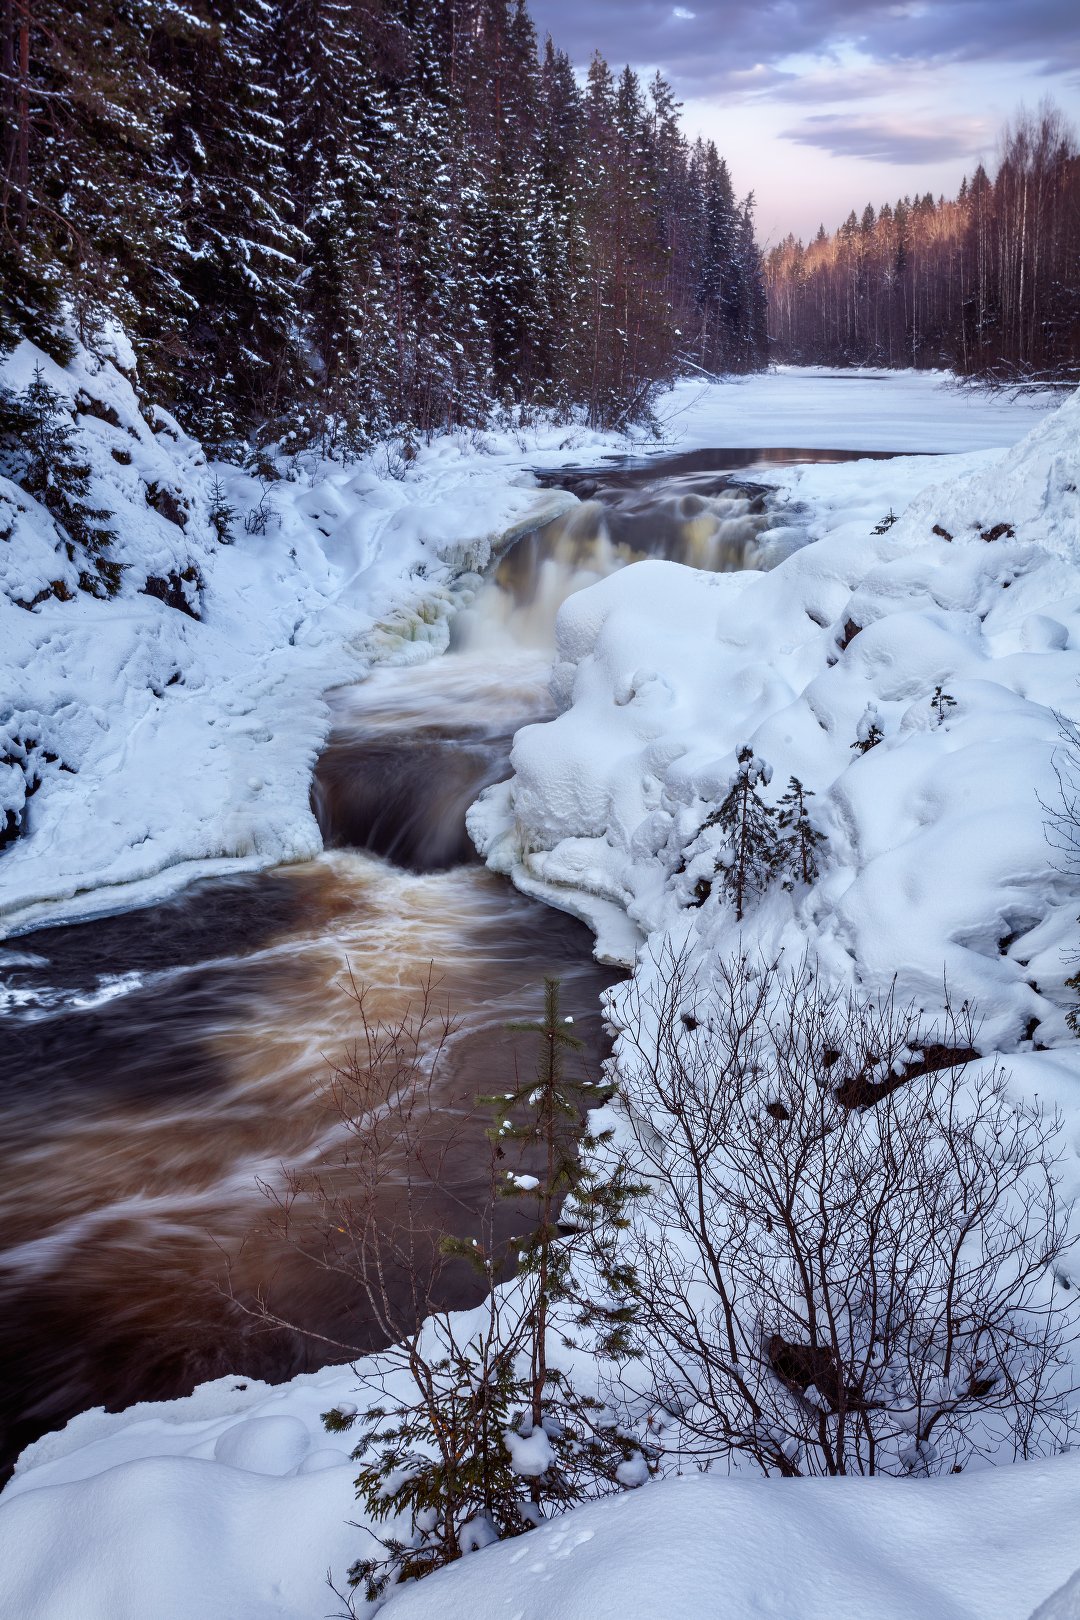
point(824, 106)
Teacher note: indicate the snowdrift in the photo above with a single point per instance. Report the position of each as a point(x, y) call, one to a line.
point(234, 1502)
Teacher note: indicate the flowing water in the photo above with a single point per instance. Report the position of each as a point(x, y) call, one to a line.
point(159, 1065)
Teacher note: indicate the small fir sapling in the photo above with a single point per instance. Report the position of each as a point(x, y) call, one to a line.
point(221, 513)
point(37, 451)
point(799, 838)
point(583, 1451)
point(941, 703)
point(752, 854)
point(440, 1461)
point(868, 732)
point(886, 523)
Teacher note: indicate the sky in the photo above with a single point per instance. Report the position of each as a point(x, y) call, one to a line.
point(823, 106)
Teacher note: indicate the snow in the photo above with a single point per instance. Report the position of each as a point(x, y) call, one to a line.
point(235, 1501)
point(815, 408)
point(187, 745)
point(1063, 1604)
point(967, 1549)
point(936, 837)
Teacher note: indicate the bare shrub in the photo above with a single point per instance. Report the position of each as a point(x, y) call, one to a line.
point(831, 1286)
point(264, 515)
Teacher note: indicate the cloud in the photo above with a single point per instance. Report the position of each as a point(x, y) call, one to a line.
point(856, 84)
point(891, 141)
point(707, 44)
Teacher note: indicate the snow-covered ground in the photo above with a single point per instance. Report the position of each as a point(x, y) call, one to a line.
point(234, 1502)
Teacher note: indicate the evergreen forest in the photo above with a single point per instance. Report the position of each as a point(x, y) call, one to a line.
point(324, 221)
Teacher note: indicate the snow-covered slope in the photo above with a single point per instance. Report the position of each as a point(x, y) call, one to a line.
point(181, 733)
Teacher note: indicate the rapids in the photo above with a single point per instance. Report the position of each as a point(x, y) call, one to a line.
point(160, 1064)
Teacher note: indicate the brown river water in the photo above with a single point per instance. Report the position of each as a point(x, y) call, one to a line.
point(159, 1064)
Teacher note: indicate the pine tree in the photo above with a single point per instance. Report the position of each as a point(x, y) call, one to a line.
point(799, 838)
point(37, 451)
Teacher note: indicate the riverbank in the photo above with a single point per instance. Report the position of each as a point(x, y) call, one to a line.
point(184, 716)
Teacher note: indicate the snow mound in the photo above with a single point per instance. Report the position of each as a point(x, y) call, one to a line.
point(973, 1548)
point(1064, 1604)
point(233, 1501)
point(936, 861)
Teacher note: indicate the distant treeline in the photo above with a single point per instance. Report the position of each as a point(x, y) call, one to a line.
point(988, 283)
point(323, 221)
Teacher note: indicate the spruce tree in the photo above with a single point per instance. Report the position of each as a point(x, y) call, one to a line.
point(799, 838)
point(583, 1451)
point(326, 221)
point(38, 452)
point(221, 514)
point(868, 732)
point(236, 256)
point(440, 1461)
point(941, 703)
point(496, 1438)
point(752, 854)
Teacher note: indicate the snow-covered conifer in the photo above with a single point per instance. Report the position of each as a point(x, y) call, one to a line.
point(38, 452)
point(799, 838)
point(752, 855)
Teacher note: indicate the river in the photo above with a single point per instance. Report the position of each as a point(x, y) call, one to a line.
point(164, 1062)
